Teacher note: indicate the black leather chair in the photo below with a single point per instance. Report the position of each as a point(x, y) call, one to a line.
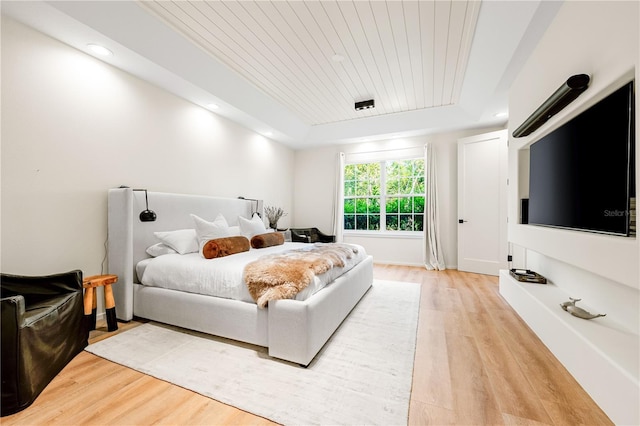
point(43, 328)
point(310, 235)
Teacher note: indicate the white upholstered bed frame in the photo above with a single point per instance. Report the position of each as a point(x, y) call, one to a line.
point(292, 330)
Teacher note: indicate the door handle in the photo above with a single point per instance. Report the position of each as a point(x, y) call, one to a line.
point(462, 221)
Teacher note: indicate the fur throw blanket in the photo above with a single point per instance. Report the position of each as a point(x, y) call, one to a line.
point(283, 275)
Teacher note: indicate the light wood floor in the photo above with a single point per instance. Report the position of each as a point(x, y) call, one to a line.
point(476, 363)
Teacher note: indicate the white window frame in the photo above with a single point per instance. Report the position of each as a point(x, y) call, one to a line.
point(383, 231)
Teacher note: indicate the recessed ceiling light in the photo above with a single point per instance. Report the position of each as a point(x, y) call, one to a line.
point(500, 114)
point(212, 106)
point(99, 50)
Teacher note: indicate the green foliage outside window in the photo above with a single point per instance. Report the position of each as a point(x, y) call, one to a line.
point(387, 195)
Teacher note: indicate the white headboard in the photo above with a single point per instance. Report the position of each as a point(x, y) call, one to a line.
point(128, 237)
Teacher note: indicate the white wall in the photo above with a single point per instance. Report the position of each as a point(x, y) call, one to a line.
point(73, 127)
point(314, 189)
point(600, 39)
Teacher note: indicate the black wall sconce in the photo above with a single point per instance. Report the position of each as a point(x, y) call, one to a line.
point(252, 210)
point(567, 93)
point(146, 215)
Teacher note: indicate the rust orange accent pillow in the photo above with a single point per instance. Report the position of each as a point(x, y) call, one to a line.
point(225, 246)
point(267, 240)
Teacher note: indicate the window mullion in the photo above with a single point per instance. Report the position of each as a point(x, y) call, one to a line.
point(383, 196)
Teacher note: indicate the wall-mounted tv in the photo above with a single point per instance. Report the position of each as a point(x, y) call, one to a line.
point(582, 175)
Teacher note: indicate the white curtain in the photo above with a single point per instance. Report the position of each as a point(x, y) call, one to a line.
point(338, 204)
point(433, 256)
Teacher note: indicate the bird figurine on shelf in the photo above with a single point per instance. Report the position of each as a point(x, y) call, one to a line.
point(574, 310)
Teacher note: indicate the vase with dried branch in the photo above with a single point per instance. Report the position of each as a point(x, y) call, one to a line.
point(273, 215)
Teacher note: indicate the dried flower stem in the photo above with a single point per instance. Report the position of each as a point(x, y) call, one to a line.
point(273, 215)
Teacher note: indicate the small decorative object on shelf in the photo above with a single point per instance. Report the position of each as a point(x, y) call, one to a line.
point(273, 215)
point(527, 276)
point(571, 307)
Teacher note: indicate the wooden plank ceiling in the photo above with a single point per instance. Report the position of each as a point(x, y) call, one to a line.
point(319, 57)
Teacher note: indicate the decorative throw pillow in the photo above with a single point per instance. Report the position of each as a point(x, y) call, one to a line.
point(183, 240)
point(226, 246)
point(206, 230)
point(159, 249)
point(251, 227)
point(267, 240)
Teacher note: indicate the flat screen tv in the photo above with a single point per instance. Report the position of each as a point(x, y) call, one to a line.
point(582, 175)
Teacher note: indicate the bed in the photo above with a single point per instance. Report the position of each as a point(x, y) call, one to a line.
point(292, 330)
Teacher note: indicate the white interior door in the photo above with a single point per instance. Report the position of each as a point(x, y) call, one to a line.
point(482, 206)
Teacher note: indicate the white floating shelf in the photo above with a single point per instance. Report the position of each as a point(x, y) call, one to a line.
point(602, 355)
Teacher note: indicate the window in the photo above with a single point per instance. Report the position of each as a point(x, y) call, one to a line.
point(384, 196)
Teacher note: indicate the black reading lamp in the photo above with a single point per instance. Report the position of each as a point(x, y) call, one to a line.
point(146, 215)
point(256, 210)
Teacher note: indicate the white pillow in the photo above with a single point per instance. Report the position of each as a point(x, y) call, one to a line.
point(159, 249)
point(206, 230)
point(183, 240)
point(234, 231)
point(249, 228)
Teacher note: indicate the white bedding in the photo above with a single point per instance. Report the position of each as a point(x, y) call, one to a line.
point(223, 277)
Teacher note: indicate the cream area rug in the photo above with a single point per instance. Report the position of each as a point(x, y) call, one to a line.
point(362, 375)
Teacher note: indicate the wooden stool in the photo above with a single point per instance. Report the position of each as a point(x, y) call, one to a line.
point(90, 302)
